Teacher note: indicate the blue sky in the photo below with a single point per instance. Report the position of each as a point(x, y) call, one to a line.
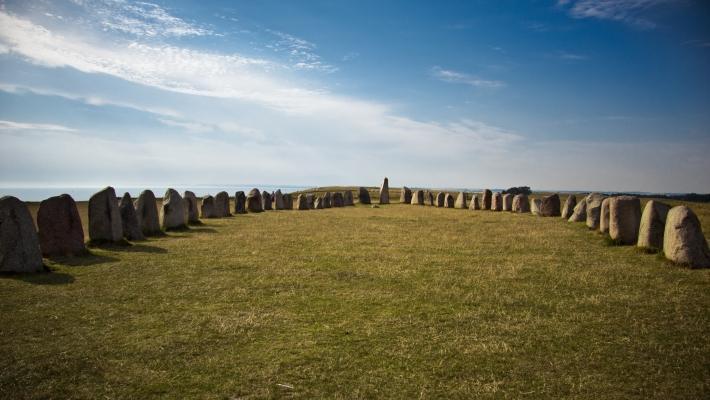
point(577, 94)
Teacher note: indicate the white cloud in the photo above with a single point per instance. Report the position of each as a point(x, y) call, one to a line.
point(628, 11)
point(572, 56)
point(300, 52)
point(450, 76)
point(26, 126)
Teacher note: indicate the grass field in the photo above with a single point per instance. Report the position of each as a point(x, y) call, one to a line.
point(392, 302)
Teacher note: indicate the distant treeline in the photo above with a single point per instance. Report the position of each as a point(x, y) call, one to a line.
point(699, 198)
point(518, 190)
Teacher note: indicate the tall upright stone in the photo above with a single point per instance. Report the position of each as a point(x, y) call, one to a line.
point(278, 199)
point(653, 223)
point(193, 210)
point(288, 201)
point(449, 201)
point(240, 203)
point(521, 204)
point(406, 196)
point(475, 204)
point(173, 211)
point(339, 199)
point(417, 198)
point(594, 210)
point(318, 203)
point(461, 201)
point(624, 219)
point(327, 200)
point(221, 205)
point(207, 209)
point(683, 239)
point(311, 201)
point(385, 192)
point(507, 202)
point(266, 201)
point(147, 212)
point(604, 216)
point(535, 205)
point(496, 202)
point(302, 202)
point(348, 198)
point(580, 212)
point(19, 244)
point(487, 199)
point(129, 219)
point(429, 198)
point(439, 202)
point(254, 201)
point(364, 196)
point(569, 206)
point(105, 217)
point(550, 206)
point(60, 231)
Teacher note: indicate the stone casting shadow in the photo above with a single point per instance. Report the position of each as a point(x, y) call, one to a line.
point(84, 260)
point(203, 230)
point(42, 278)
point(142, 248)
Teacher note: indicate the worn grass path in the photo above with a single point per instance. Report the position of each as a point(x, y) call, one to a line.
point(391, 302)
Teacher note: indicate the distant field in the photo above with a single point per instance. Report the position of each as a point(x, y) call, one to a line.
point(359, 302)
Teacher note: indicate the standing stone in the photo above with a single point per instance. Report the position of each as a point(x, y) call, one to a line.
point(429, 198)
point(147, 212)
point(60, 231)
point(129, 219)
point(521, 204)
point(302, 202)
point(207, 207)
point(604, 216)
point(580, 212)
point(624, 219)
point(279, 200)
point(439, 202)
point(347, 199)
point(406, 196)
point(417, 198)
point(683, 239)
point(550, 206)
point(318, 203)
point(253, 201)
point(19, 244)
point(193, 212)
point(569, 206)
point(461, 201)
point(104, 217)
point(327, 200)
point(338, 199)
point(240, 203)
point(266, 201)
point(310, 201)
point(594, 210)
point(288, 201)
point(507, 202)
point(653, 223)
point(475, 204)
point(221, 205)
point(385, 192)
point(173, 211)
point(496, 202)
point(535, 205)
point(364, 196)
point(449, 201)
point(487, 199)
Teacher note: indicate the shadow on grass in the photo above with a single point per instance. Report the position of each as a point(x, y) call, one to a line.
point(127, 247)
point(42, 278)
point(86, 259)
point(203, 230)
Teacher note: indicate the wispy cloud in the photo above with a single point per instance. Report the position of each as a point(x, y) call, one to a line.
point(26, 126)
point(450, 76)
point(628, 11)
point(571, 56)
point(300, 52)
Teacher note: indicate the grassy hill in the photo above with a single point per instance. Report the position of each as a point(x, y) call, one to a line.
point(360, 302)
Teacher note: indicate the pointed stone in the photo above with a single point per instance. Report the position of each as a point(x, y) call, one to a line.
point(129, 219)
point(266, 201)
point(487, 199)
point(653, 223)
point(449, 201)
point(439, 202)
point(569, 206)
point(385, 192)
point(302, 202)
point(604, 216)
point(193, 210)
point(461, 201)
point(60, 231)
point(364, 196)
point(406, 196)
point(580, 212)
point(475, 204)
point(417, 198)
point(173, 211)
point(279, 200)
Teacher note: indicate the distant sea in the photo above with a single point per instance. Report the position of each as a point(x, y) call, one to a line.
point(84, 193)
